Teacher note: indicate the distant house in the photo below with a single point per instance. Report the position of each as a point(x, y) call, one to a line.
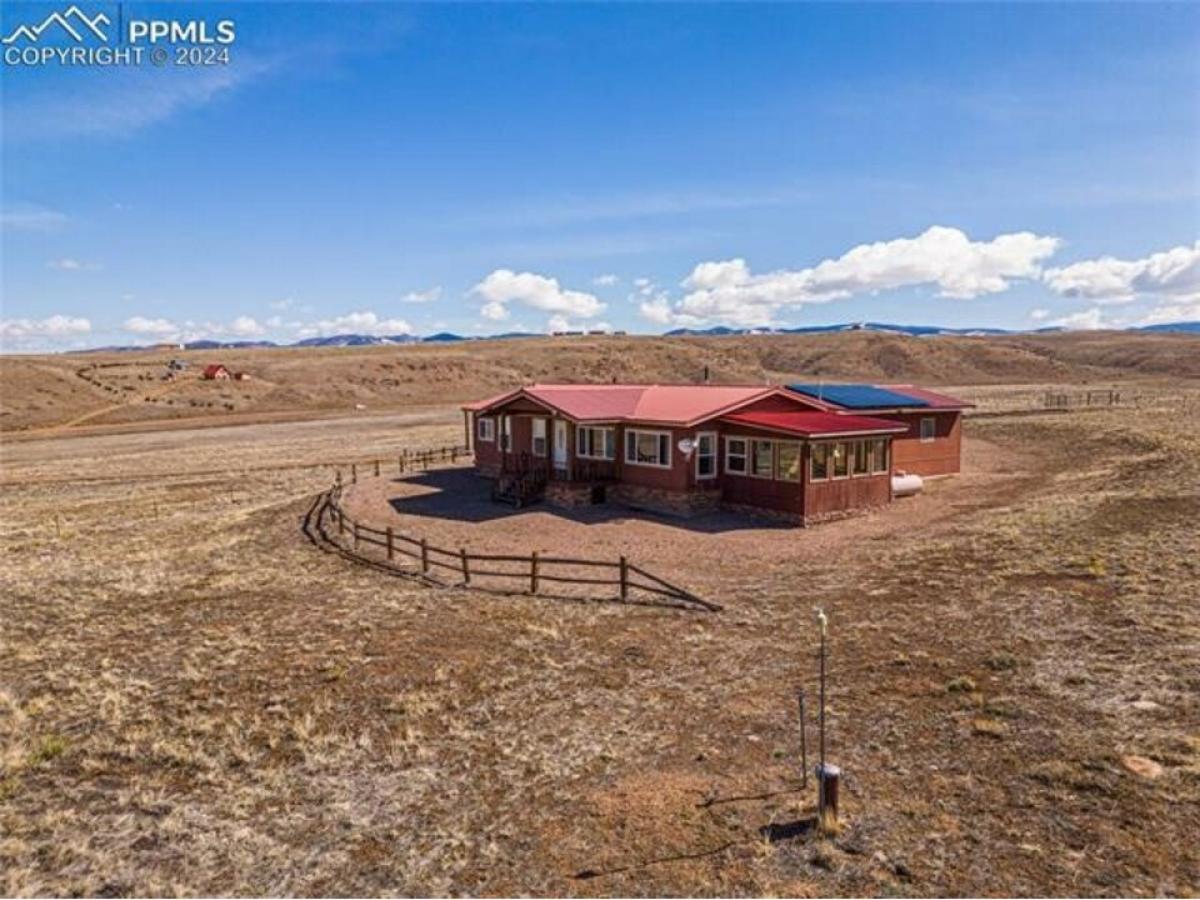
point(690, 449)
point(216, 372)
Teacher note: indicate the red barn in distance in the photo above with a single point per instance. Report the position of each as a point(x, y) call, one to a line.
point(216, 372)
point(690, 449)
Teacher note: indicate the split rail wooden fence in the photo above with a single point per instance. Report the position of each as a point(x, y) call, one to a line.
point(526, 574)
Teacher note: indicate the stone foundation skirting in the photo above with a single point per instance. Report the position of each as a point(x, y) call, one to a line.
point(762, 512)
point(685, 504)
point(568, 494)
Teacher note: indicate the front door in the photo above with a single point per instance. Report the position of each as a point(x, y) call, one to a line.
point(560, 444)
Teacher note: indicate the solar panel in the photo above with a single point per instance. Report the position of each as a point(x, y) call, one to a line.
point(858, 396)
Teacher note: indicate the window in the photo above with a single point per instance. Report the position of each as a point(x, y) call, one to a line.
point(788, 461)
point(706, 455)
point(505, 433)
point(762, 460)
point(595, 443)
point(735, 455)
point(539, 437)
point(841, 460)
point(862, 461)
point(879, 458)
point(486, 429)
point(648, 448)
point(928, 429)
point(820, 462)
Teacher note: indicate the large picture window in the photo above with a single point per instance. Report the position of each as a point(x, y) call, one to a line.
point(735, 455)
point(787, 455)
point(648, 448)
point(706, 455)
point(595, 443)
point(486, 429)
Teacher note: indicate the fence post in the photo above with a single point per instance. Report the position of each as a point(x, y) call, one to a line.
point(424, 556)
point(341, 521)
point(376, 468)
point(354, 526)
point(624, 579)
point(453, 455)
point(391, 546)
point(533, 573)
point(338, 481)
point(354, 473)
point(400, 464)
point(462, 554)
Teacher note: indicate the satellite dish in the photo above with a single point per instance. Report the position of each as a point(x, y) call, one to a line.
point(686, 446)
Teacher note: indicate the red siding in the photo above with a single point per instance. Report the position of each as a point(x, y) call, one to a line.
point(941, 456)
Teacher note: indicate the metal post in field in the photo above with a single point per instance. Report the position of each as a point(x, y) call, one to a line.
point(803, 741)
point(828, 775)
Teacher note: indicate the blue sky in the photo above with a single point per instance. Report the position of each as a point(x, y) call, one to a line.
point(483, 168)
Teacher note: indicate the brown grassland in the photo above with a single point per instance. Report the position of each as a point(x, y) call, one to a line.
point(197, 699)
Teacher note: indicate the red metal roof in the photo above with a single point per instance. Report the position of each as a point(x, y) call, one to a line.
point(815, 424)
point(666, 404)
point(933, 398)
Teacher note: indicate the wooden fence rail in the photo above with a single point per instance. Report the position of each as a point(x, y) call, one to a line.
point(529, 572)
point(409, 461)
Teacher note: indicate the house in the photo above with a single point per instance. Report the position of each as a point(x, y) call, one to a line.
point(216, 372)
point(684, 449)
point(932, 442)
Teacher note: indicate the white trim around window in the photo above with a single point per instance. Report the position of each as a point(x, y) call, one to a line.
point(704, 438)
point(928, 423)
point(637, 443)
point(485, 428)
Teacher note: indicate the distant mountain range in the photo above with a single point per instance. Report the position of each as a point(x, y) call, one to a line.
point(912, 330)
point(446, 337)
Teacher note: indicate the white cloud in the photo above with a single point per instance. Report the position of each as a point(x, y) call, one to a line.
point(148, 326)
point(1173, 273)
point(1039, 314)
point(245, 326)
point(274, 322)
point(605, 280)
point(67, 264)
point(945, 257)
point(129, 100)
point(32, 219)
point(1172, 312)
point(494, 310)
point(281, 305)
point(429, 296)
point(56, 326)
point(1088, 320)
point(361, 322)
point(504, 286)
point(559, 323)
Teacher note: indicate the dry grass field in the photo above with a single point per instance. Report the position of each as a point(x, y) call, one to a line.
point(197, 699)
